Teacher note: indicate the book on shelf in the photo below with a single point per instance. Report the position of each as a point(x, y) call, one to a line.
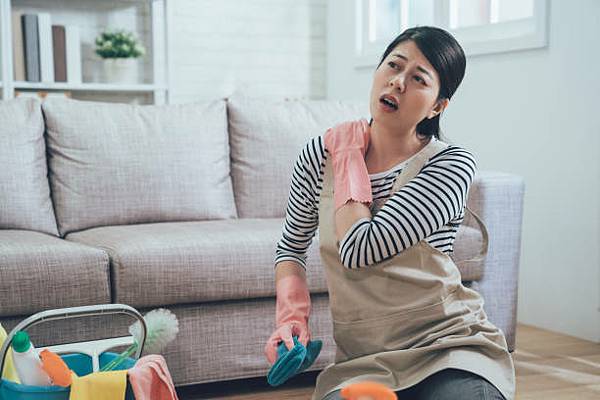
point(31, 47)
point(41, 94)
point(43, 52)
point(18, 56)
point(60, 57)
point(45, 40)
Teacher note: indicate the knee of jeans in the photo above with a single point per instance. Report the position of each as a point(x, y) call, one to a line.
point(491, 392)
point(454, 384)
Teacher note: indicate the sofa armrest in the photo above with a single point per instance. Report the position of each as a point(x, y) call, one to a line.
point(497, 198)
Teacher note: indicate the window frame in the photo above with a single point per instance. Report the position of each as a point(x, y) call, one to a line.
point(508, 36)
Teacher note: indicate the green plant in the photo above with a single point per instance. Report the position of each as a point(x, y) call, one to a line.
point(118, 44)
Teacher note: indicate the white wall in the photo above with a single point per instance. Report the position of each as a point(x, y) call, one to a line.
point(533, 113)
point(259, 48)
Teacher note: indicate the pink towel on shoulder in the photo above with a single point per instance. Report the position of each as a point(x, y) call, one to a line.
point(150, 379)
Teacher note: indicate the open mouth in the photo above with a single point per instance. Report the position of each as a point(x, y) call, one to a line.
point(389, 102)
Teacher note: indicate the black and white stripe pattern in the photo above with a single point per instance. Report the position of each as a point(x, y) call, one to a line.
point(431, 206)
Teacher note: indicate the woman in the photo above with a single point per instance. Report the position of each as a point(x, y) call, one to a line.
point(392, 198)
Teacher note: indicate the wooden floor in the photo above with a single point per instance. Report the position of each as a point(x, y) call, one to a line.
point(549, 366)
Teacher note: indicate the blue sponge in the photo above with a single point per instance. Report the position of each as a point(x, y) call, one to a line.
point(312, 352)
point(294, 361)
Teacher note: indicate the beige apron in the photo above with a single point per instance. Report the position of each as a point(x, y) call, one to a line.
point(407, 317)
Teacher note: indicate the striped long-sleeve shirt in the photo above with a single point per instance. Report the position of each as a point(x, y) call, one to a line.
point(430, 206)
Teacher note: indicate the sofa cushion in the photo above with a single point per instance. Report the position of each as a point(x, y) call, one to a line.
point(24, 192)
point(266, 138)
point(187, 262)
point(39, 272)
point(116, 164)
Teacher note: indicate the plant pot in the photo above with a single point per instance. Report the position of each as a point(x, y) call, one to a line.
point(120, 70)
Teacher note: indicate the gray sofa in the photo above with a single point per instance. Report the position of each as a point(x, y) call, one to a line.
point(181, 207)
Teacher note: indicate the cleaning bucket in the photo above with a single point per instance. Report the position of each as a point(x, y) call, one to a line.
point(82, 357)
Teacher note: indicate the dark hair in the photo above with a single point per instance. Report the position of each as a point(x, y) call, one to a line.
point(445, 55)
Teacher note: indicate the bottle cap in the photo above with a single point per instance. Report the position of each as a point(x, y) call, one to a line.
point(21, 342)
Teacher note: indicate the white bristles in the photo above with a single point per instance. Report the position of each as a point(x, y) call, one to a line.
point(162, 327)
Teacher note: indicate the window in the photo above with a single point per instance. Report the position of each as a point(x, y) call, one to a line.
point(480, 26)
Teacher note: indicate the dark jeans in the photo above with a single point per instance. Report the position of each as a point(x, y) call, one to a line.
point(447, 384)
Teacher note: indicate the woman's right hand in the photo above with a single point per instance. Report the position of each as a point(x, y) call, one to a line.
point(347, 137)
point(291, 312)
point(347, 144)
point(285, 334)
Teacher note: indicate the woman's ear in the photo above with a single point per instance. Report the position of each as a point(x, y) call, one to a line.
point(439, 108)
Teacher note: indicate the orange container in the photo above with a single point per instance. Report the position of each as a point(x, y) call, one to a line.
point(368, 391)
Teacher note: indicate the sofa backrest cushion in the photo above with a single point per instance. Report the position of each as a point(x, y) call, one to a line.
point(115, 164)
point(266, 138)
point(24, 192)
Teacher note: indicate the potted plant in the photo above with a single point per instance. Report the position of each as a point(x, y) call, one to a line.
point(119, 51)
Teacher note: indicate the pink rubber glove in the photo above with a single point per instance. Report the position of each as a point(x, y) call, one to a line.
point(291, 315)
point(347, 144)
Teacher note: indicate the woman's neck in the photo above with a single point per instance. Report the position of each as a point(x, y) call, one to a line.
point(388, 148)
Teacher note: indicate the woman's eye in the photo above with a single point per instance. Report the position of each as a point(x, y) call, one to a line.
point(395, 66)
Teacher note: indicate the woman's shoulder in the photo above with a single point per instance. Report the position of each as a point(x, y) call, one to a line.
point(313, 154)
point(350, 123)
point(452, 153)
point(315, 146)
point(349, 126)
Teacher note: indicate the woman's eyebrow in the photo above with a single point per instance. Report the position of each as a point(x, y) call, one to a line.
point(418, 66)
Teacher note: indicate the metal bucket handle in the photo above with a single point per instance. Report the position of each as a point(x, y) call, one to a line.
point(92, 348)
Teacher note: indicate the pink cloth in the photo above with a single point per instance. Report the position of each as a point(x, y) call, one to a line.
point(150, 379)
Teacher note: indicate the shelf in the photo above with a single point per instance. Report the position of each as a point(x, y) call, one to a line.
point(92, 87)
point(148, 20)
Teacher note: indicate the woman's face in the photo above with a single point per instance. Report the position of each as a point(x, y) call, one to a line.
point(409, 85)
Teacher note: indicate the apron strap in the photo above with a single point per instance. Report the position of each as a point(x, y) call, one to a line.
point(484, 237)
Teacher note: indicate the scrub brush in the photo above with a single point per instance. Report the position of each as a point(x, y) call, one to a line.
point(161, 328)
